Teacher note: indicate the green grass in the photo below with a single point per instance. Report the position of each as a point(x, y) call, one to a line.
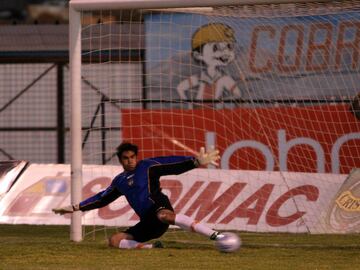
point(49, 247)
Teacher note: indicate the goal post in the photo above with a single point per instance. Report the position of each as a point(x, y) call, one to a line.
point(81, 5)
point(278, 103)
point(76, 123)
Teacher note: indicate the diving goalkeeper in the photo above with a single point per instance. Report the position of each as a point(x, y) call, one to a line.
point(140, 184)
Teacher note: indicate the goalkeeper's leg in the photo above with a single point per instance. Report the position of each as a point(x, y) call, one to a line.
point(126, 241)
point(187, 223)
point(148, 228)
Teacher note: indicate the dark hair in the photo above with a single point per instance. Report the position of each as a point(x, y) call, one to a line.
point(355, 106)
point(126, 146)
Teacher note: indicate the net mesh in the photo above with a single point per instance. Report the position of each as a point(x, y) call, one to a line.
point(273, 87)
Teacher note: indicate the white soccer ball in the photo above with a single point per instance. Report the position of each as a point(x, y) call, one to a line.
point(228, 242)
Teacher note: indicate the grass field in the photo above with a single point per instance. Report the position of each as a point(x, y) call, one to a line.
point(49, 247)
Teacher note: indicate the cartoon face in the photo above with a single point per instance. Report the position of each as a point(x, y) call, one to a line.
point(216, 54)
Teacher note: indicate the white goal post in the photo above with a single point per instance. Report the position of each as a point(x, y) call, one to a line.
point(152, 4)
point(325, 158)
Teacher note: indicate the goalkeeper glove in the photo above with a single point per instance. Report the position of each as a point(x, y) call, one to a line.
point(66, 209)
point(210, 156)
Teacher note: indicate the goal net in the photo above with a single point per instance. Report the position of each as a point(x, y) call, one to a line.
point(274, 87)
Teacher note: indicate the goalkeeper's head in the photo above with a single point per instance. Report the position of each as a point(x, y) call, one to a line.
point(127, 154)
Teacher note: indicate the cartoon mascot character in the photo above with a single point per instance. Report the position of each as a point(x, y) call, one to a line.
point(213, 48)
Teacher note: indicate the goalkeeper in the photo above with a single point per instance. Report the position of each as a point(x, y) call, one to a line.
point(140, 184)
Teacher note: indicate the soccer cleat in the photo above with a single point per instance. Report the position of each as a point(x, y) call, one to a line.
point(158, 244)
point(216, 236)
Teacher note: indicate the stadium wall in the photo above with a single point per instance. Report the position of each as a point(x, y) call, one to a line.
point(34, 79)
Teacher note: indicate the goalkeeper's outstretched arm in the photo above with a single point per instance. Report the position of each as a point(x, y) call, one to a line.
point(174, 165)
point(99, 200)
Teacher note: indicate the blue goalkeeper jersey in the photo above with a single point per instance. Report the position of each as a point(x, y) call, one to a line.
point(139, 185)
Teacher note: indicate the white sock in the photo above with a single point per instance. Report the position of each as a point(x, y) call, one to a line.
point(189, 224)
point(129, 244)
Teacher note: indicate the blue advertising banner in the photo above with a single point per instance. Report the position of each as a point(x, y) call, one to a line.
point(192, 56)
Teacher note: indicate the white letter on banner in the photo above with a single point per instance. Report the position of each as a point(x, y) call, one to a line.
point(335, 163)
point(284, 148)
point(248, 143)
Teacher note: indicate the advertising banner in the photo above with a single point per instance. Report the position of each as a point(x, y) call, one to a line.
point(267, 57)
point(9, 171)
point(45, 186)
point(324, 138)
point(223, 199)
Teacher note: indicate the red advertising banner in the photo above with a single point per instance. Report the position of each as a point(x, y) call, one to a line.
point(324, 138)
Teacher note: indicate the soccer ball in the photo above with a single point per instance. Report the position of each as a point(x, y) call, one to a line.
point(228, 242)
